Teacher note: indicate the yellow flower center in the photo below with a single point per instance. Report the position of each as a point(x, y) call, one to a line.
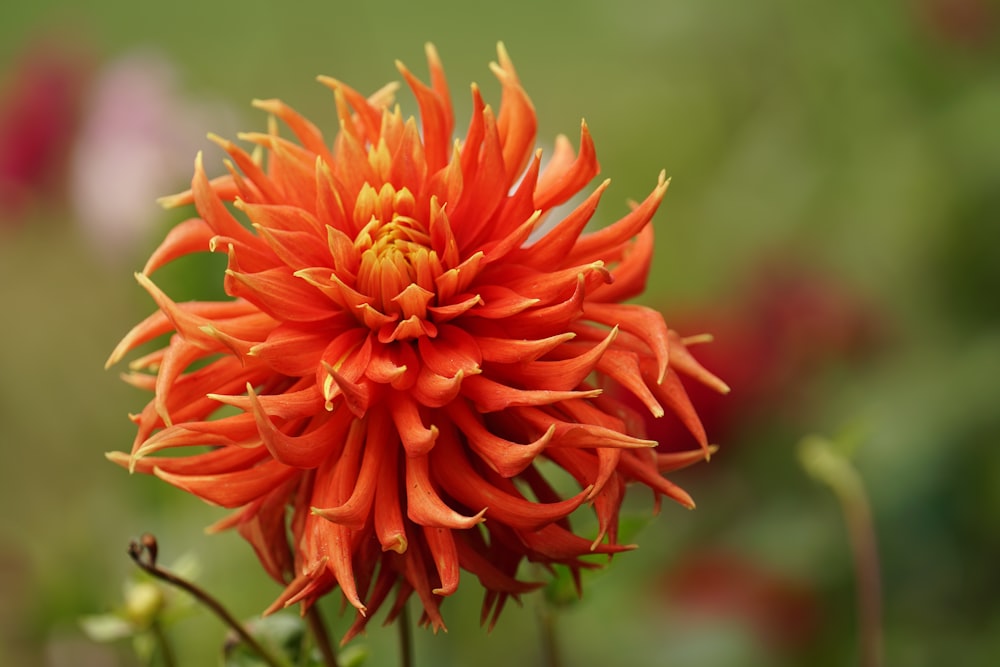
point(397, 268)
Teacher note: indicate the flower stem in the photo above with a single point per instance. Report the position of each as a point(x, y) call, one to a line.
point(166, 648)
point(318, 629)
point(820, 460)
point(405, 637)
point(148, 547)
point(550, 644)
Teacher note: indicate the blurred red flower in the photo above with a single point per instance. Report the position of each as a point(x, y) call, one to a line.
point(39, 110)
point(407, 368)
point(782, 611)
point(786, 326)
point(959, 23)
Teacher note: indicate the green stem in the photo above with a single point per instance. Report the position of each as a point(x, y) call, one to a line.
point(550, 644)
point(148, 546)
point(318, 629)
point(405, 637)
point(822, 461)
point(166, 648)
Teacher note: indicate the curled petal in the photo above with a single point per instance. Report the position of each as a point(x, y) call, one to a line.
point(230, 489)
point(188, 237)
point(445, 555)
point(562, 374)
point(514, 350)
point(672, 394)
point(280, 294)
point(505, 457)
point(506, 505)
point(596, 244)
point(490, 396)
point(685, 362)
point(361, 477)
point(307, 450)
point(389, 526)
point(424, 504)
point(645, 471)
point(436, 391)
point(579, 434)
point(417, 438)
point(556, 544)
point(451, 352)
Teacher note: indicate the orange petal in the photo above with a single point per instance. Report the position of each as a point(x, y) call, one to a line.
point(445, 555)
point(190, 236)
point(462, 482)
point(417, 439)
point(307, 450)
point(566, 176)
point(507, 458)
point(230, 489)
point(424, 505)
point(491, 396)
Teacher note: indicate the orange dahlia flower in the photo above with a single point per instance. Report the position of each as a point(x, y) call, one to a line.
point(408, 364)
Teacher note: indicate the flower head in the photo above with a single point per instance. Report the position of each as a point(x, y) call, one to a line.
point(407, 368)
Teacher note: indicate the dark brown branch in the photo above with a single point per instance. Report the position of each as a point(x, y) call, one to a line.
point(147, 547)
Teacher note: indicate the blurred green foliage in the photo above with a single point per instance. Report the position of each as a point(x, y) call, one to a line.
point(856, 138)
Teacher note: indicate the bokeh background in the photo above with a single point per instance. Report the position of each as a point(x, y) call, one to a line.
point(834, 220)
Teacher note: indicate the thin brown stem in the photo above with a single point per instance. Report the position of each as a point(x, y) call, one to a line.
point(322, 638)
point(147, 546)
point(405, 637)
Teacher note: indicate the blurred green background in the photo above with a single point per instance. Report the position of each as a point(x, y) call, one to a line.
point(834, 219)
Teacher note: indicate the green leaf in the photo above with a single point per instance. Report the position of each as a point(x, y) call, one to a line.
point(285, 635)
point(354, 655)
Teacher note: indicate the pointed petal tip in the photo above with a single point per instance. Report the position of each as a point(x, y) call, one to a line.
point(399, 544)
point(117, 354)
point(684, 499)
point(697, 339)
point(118, 458)
point(503, 55)
point(268, 105)
point(170, 201)
point(143, 450)
point(479, 518)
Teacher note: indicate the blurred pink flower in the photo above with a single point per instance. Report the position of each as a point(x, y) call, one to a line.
point(138, 133)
